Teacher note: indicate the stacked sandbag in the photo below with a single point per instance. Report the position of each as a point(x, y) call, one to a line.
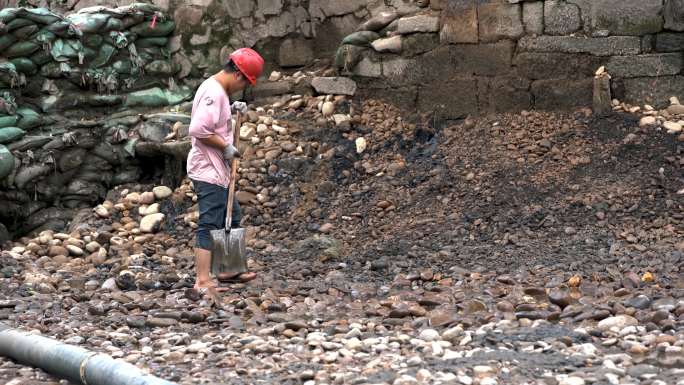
point(62, 80)
point(79, 162)
point(100, 50)
point(353, 46)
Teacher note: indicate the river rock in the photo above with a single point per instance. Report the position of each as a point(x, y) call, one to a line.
point(429, 335)
point(647, 121)
point(74, 250)
point(162, 192)
point(147, 198)
point(328, 109)
point(571, 381)
point(57, 250)
point(619, 322)
point(672, 127)
point(151, 223)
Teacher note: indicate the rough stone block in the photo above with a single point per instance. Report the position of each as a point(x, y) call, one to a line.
point(458, 60)
point(533, 17)
point(396, 69)
point(419, 23)
point(482, 59)
point(187, 18)
point(269, 7)
point(265, 89)
point(388, 44)
point(432, 65)
point(603, 46)
point(281, 25)
point(553, 65)
point(645, 65)
point(330, 33)
point(499, 21)
point(561, 18)
point(334, 86)
point(368, 67)
point(674, 15)
point(501, 94)
point(419, 43)
point(647, 43)
point(669, 42)
point(628, 17)
point(459, 22)
point(322, 9)
point(451, 99)
point(238, 8)
point(653, 91)
point(403, 97)
point(556, 94)
point(295, 52)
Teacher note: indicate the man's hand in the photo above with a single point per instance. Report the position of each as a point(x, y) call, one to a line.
point(240, 107)
point(230, 152)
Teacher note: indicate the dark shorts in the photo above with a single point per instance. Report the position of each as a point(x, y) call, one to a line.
point(212, 201)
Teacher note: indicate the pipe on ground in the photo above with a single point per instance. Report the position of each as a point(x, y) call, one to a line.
point(73, 363)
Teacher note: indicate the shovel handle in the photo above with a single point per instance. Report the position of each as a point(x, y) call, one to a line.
point(233, 171)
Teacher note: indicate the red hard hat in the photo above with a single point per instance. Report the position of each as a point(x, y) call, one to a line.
point(249, 62)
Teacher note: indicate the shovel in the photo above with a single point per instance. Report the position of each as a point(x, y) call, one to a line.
point(228, 245)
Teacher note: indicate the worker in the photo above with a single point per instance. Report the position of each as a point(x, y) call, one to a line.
point(208, 164)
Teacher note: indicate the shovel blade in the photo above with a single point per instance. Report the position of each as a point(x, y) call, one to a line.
point(228, 253)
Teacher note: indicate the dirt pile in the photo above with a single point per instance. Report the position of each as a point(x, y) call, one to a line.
point(390, 249)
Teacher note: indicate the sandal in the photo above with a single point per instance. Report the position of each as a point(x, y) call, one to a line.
point(237, 278)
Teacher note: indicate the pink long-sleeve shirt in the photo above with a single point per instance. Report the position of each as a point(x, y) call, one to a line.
point(210, 116)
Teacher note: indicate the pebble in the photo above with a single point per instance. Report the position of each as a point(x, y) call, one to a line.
point(57, 250)
point(110, 284)
point(151, 223)
point(429, 335)
point(361, 145)
point(92, 246)
point(102, 211)
point(75, 251)
point(147, 198)
point(672, 127)
point(571, 381)
point(162, 192)
point(647, 121)
point(617, 322)
point(328, 109)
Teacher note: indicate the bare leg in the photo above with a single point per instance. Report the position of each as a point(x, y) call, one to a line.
point(202, 267)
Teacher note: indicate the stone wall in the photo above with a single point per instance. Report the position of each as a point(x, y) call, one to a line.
point(289, 33)
point(461, 57)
